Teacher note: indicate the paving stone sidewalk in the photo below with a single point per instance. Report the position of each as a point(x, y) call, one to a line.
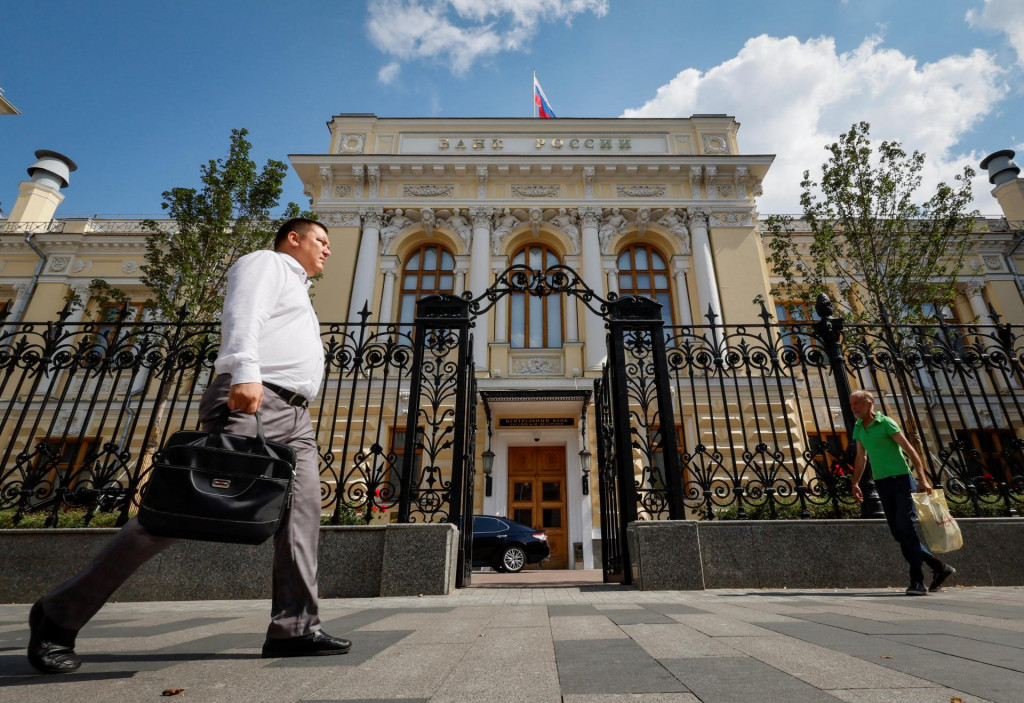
point(570, 644)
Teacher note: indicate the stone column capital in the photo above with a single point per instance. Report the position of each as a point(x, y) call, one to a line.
point(590, 216)
point(699, 216)
point(482, 216)
point(371, 217)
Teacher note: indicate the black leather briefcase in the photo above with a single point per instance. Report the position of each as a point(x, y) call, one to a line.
point(218, 487)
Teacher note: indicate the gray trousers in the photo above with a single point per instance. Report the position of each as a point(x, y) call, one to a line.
point(295, 604)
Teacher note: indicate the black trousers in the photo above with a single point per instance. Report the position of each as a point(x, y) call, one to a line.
point(895, 494)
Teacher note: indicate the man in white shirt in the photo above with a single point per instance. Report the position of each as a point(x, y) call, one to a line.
point(271, 359)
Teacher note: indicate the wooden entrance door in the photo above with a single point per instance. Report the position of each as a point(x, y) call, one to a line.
point(536, 496)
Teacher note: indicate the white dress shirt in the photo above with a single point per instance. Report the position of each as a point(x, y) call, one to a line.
point(269, 331)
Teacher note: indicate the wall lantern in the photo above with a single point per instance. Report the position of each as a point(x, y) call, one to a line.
point(488, 458)
point(585, 454)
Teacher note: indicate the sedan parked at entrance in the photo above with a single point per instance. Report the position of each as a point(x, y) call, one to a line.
point(505, 545)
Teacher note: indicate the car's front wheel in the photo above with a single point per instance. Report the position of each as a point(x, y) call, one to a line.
point(513, 559)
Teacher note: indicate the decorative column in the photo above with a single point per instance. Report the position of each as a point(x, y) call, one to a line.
point(460, 280)
point(611, 274)
point(389, 267)
point(479, 265)
point(81, 289)
point(680, 265)
point(366, 262)
point(590, 253)
point(704, 266)
point(572, 325)
point(500, 313)
point(978, 307)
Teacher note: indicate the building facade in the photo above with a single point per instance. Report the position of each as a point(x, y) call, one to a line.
point(664, 209)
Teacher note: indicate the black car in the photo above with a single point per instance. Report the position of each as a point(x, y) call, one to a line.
point(505, 545)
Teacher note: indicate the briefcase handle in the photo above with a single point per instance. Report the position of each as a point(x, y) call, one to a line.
point(213, 436)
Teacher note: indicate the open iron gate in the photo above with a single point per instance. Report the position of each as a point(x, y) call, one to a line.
point(633, 400)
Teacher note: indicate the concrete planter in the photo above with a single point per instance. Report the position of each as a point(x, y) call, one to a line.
point(693, 555)
point(376, 560)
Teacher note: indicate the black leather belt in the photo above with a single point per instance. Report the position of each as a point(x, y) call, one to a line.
point(290, 397)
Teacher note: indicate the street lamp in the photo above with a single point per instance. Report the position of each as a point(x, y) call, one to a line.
point(585, 456)
point(488, 459)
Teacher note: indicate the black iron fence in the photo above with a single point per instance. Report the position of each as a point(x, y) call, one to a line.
point(761, 414)
point(758, 414)
point(83, 406)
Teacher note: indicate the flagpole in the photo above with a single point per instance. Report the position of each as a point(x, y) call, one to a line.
point(533, 93)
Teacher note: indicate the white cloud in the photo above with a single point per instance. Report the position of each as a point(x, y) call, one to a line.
point(1002, 16)
point(796, 97)
point(459, 32)
point(387, 74)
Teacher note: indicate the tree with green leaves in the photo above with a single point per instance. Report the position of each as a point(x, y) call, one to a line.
point(230, 216)
point(864, 237)
point(186, 266)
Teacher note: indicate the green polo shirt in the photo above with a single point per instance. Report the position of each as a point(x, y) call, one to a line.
point(886, 456)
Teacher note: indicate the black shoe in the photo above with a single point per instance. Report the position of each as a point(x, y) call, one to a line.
point(940, 577)
point(917, 589)
point(51, 648)
point(317, 644)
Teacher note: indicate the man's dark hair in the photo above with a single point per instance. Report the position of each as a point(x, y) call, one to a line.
point(302, 225)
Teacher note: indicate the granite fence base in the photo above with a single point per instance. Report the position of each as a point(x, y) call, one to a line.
point(376, 560)
point(691, 555)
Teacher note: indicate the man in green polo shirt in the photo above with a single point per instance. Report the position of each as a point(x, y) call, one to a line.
point(879, 438)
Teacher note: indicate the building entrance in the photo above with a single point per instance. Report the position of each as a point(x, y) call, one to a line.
point(536, 496)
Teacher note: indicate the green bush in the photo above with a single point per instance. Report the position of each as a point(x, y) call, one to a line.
point(346, 516)
point(66, 517)
point(988, 509)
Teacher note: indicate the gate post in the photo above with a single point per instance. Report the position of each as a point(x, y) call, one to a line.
point(442, 327)
point(643, 315)
point(829, 330)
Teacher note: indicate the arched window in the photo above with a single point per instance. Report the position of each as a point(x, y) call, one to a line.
point(535, 322)
point(428, 270)
point(642, 271)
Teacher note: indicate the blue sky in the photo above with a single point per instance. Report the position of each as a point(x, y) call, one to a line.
point(139, 94)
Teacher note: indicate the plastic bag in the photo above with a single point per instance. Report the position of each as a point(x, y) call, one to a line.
point(938, 528)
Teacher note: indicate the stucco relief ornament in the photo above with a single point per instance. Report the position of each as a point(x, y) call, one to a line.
point(715, 144)
point(725, 191)
point(612, 223)
point(326, 175)
point(340, 218)
point(129, 266)
point(460, 225)
point(428, 220)
point(640, 191)
point(536, 367)
point(993, 263)
point(59, 263)
point(396, 222)
point(373, 178)
point(675, 224)
point(643, 217)
point(481, 182)
point(536, 218)
point(536, 191)
point(588, 182)
point(342, 191)
point(566, 221)
point(505, 224)
point(429, 191)
point(351, 143)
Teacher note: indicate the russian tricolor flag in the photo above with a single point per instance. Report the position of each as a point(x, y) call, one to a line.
point(540, 101)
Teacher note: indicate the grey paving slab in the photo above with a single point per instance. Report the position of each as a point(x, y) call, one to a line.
point(991, 682)
point(119, 631)
point(611, 666)
point(720, 626)
point(677, 641)
point(364, 646)
point(742, 680)
point(972, 650)
point(564, 610)
point(405, 671)
point(674, 609)
point(585, 627)
point(821, 667)
point(366, 700)
point(474, 681)
point(520, 616)
point(631, 698)
point(903, 695)
point(972, 607)
point(638, 616)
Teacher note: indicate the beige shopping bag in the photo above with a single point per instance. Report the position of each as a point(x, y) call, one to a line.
point(938, 528)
